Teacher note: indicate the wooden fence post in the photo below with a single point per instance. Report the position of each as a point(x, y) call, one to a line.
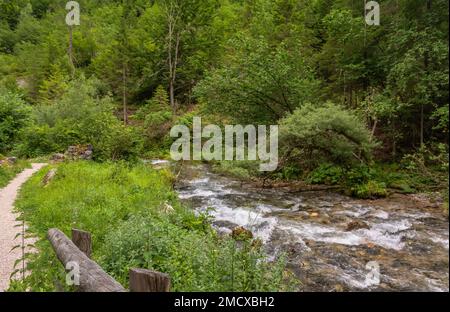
point(83, 241)
point(142, 280)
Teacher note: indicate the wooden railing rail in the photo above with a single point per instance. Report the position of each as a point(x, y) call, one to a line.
point(92, 278)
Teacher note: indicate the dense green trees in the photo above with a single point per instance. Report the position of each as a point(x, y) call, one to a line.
point(259, 83)
point(80, 116)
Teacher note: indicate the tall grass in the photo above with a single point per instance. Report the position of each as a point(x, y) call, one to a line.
point(8, 172)
point(125, 208)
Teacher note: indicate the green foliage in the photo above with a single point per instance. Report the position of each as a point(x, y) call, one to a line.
point(215, 265)
point(8, 172)
point(328, 133)
point(239, 169)
point(124, 207)
point(156, 117)
point(371, 189)
point(245, 61)
point(441, 115)
point(259, 84)
point(428, 167)
point(14, 115)
point(290, 172)
point(326, 174)
point(365, 182)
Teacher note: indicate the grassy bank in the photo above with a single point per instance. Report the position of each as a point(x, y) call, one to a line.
point(136, 221)
point(8, 171)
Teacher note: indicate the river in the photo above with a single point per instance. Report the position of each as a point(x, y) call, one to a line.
point(333, 242)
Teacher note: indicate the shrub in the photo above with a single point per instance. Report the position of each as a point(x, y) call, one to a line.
point(243, 170)
point(316, 134)
point(14, 115)
point(194, 260)
point(370, 189)
point(156, 117)
point(326, 174)
point(290, 172)
point(80, 117)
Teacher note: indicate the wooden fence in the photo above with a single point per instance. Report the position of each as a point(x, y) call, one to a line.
point(92, 278)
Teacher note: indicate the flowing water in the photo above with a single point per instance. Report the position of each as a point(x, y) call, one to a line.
point(333, 242)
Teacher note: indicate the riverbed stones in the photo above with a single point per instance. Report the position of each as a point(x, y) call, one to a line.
point(357, 225)
point(241, 234)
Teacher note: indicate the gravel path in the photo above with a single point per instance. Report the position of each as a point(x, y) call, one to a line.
point(7, 225)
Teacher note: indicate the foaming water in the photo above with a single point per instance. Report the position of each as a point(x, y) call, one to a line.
point(386, 235)
point(330, 238)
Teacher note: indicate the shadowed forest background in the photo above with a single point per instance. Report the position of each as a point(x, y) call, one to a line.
point(361, 107)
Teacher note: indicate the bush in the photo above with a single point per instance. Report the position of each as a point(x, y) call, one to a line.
point(14, 115)
point(123, 206)
point(80, 117)
point(260, 84)
point(326, 174)
point(370, 189)
point(316, 134)
point(194, 260)
point(156, 117)
point(290, 172)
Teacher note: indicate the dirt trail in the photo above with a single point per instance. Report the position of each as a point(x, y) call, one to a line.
point(7, 225)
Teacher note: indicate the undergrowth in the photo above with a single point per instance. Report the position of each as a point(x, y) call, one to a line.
point(136, 221)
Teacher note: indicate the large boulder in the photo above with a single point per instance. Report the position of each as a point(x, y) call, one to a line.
point(12, 160)
point(8, 161)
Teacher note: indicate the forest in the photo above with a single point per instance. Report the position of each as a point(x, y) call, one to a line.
point(361, 109)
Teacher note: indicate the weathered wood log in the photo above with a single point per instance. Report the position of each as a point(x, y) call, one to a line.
point(142, 280)
point(83, 241)
point(92, 277)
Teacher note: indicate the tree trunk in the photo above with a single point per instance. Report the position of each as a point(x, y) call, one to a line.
point(70, 51)
point(421, 126)
point(172, 94)
point(374, 128)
